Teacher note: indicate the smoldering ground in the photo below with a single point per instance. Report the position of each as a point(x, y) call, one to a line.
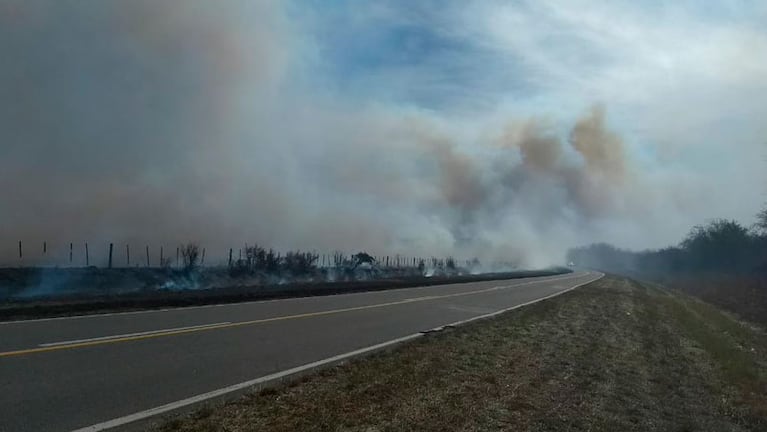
point(157, 123)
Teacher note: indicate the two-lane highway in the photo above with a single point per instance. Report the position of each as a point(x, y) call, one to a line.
point(62, 374)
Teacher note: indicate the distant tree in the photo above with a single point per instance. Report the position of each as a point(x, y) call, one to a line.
point(603, 256)
point(761, 221)
point(720, 245)
point(270, 261)
point(450, 263)
point(190, 254)
point(474, 263)
point(666, 260)
point(299, 263)
point(362, 258)
point(255, 258)
point(760, 228)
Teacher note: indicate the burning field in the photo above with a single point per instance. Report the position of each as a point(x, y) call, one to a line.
point(258, 274)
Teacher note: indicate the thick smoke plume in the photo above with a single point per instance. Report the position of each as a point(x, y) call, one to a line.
point(151, 124)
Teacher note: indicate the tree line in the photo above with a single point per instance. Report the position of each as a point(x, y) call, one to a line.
point(721, 246)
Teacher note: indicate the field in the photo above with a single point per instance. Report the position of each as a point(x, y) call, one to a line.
point(615, 355)
point(34, 293)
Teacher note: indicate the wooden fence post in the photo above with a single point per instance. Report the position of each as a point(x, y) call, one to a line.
point(87, 256)
point(127, 253)
point(21, 254)
point(147, 256)
point(110, 254)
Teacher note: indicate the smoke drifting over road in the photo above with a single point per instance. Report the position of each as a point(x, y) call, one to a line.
point(159, 122)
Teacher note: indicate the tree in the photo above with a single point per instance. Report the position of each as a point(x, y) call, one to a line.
point(450, 263)
point(362, 258)
point(602, 256)
point(761, 241)
point(761, 221)
point(190, 253)
point(299, 263)
point(720, 245)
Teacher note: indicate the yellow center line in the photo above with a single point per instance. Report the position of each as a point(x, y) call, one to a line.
point(253, 322)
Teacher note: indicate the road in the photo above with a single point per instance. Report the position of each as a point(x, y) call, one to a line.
point(63, 374)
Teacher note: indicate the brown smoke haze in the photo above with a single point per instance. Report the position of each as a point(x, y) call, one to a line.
point(147, 123)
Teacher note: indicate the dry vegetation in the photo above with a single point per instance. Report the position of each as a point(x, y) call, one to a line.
point(722, 262)
point(745, 295)
point(611, 356)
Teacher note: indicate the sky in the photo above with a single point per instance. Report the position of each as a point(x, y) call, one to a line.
point(508, 130)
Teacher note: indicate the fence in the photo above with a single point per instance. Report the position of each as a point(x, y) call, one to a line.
point(106, 255)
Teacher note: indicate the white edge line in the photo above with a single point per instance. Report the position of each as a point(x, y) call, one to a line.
point(120, 421)
point(492, 314)
point(243, 385)
point(127, 335)
point(135, 312)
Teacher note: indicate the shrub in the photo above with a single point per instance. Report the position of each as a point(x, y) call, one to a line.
point(299, 263)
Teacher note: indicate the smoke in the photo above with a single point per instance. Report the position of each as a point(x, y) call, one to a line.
point(155, 123)
point(601, 149)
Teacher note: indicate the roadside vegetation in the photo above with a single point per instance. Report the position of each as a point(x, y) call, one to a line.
point(103, 296)
point(722, 262)
point(250, 273)
point(252, 266)
point(615, 355)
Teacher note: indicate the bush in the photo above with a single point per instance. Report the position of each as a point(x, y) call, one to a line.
point(299, 263)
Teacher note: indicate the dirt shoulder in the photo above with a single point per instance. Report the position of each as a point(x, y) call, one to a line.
point(614, 355)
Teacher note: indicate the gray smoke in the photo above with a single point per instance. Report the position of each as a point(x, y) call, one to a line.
point(160, 122)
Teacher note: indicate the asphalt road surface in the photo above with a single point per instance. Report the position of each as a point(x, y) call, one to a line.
point(63, 374)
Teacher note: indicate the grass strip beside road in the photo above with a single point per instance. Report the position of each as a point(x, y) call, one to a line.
point(612, 355)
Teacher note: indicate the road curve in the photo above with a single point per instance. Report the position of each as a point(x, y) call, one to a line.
point(63, 374)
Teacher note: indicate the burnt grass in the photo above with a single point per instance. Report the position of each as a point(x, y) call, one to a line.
point(97, 290)
point(614, 355)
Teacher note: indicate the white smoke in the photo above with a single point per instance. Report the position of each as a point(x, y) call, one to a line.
point(154, 123)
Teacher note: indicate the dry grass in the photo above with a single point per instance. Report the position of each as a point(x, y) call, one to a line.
point(610, 356)
point(745, 295)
